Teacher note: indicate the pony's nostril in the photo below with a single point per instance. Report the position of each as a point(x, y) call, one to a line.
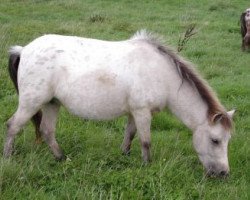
point(223, 173)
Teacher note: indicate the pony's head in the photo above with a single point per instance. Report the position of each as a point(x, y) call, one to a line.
point(211, 141)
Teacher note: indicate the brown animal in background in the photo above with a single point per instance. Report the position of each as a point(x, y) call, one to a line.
point(245, 29)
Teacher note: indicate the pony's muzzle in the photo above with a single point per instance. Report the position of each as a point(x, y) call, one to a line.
point(222, 172)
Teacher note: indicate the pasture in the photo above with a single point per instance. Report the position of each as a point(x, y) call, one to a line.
point(95, 167)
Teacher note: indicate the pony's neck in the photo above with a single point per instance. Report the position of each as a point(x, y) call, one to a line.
point(188, 106)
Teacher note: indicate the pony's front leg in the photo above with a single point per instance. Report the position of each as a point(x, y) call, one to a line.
point(129, 135)
point(142, 119)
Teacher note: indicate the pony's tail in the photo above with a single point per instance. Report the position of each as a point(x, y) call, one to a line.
point(14, 60)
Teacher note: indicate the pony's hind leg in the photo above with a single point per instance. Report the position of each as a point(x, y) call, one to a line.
point(14, 124)
point(129, 135)
point(142, 119)
point(47, 128)
point(36, 119)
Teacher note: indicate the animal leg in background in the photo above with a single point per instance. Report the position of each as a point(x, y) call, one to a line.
point(36, 119)
point(130, 132)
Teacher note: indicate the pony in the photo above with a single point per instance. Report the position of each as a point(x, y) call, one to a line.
point(102, 80)
point(245, 29)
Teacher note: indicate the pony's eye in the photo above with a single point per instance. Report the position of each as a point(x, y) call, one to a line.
point(215, 141)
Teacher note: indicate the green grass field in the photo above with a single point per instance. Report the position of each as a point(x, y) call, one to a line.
point(96, 168)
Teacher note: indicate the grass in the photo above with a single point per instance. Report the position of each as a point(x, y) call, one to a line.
point(96, 169)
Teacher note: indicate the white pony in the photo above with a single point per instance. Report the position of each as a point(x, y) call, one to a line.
point(102, 80)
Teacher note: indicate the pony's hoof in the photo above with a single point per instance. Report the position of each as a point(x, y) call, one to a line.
point(6, 155)
point(126, 153)
point(38, 141)
point(7, 152)
point(146, 161)
point(61, 158)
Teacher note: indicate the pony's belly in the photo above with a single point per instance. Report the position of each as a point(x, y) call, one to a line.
point(97, 113)
point(98, 103)
point(95, 108)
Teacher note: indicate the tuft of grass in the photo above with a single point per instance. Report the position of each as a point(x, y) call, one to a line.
point(184, 39)
point(94, 18)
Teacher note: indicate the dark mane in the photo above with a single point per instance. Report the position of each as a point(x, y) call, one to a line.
point(189, 74)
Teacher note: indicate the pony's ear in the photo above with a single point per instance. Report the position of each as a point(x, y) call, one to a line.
point(231, 113)
point(216, 118)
